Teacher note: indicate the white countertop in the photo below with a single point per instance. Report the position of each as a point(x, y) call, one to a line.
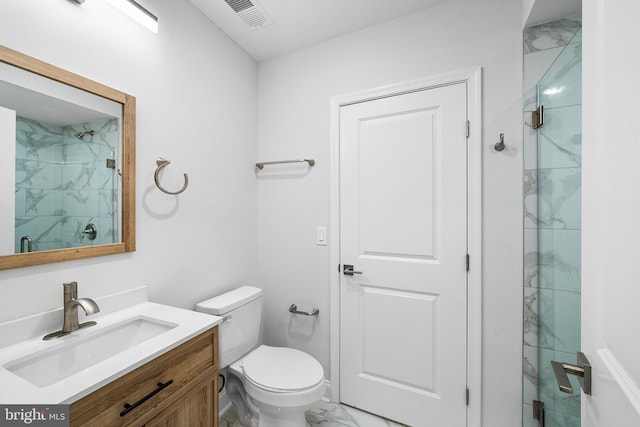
point(16, 390)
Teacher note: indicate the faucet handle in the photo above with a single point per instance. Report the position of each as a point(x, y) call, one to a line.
point(70, 311)
point(70, 290)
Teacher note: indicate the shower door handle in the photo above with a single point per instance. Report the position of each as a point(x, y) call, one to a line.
point(348, 270)
point(582, 370)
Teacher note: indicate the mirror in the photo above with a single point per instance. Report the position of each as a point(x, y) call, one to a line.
point(67, 184)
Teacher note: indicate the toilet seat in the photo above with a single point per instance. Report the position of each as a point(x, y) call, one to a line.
point(282, 370)
point(269, 378)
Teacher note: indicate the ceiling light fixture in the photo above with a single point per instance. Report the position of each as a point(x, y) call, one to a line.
point(137, 12)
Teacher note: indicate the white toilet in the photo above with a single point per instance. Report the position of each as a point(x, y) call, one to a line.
point(268, 386)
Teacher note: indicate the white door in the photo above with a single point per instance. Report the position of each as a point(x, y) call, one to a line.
point(403, 228)
point(611, 211)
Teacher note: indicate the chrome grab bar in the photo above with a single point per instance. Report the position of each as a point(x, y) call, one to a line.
point(294, 309)
point(260, 165)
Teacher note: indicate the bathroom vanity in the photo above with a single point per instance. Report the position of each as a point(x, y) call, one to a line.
point(178, 388)
point(142, 363)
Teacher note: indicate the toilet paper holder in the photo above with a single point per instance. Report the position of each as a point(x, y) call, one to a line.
point(294, 309)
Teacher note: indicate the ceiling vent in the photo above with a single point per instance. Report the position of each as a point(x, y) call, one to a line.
point(250, 12)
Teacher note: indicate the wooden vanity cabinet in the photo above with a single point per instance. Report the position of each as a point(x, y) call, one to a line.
point(178, 388)
point(193, 409)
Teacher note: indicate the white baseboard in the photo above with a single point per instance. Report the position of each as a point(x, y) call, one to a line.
point(327, 392)
point(224, 404)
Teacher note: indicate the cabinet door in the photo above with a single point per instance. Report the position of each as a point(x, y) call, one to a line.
point(179, 369)
point(199, 407)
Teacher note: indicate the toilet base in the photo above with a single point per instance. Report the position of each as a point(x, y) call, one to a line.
point(255, 414)
point(292, 419)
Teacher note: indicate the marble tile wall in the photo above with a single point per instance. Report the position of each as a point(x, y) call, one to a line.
point(552, 187)
point(63, 184)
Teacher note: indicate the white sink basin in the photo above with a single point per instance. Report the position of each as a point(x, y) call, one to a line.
point(77, 353)
point(66, 369)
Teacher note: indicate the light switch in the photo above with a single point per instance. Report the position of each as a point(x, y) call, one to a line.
point(321, 236)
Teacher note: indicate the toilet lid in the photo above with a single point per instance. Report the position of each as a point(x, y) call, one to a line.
point(282, 369)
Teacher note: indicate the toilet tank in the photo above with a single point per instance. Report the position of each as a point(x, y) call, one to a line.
point(239, 332)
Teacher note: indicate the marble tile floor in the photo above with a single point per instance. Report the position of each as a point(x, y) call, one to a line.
point(326, 414)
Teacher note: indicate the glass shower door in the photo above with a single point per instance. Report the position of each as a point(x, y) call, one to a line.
point(558, 204)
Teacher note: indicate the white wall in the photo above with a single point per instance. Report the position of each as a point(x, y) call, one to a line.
point(196, 106)
point(294, 94)
point(526, 10)
point(7, 175)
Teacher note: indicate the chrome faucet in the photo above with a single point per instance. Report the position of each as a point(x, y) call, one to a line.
point(71, 304)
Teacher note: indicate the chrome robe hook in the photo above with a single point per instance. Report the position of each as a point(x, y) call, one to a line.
point(162, 163)
point(500, 145)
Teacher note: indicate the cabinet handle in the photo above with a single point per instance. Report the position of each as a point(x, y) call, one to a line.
point(128, 408)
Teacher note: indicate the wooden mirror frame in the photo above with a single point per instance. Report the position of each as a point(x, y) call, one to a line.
point(128, 204)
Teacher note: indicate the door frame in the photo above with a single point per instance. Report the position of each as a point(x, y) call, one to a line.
point(472, 78)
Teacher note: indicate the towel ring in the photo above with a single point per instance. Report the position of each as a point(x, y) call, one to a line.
point(162, 163)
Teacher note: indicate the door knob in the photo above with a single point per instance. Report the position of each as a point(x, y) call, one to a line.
point(582, 370)
point(349, 271)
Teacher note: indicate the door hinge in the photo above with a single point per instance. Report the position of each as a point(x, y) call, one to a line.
point(538, 412)
point(468, 261)
point(111, 163)
point(468, 128)
point(537, 117)
point(467, 396)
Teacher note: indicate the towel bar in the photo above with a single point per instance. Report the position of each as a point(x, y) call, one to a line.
point(260, 165)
